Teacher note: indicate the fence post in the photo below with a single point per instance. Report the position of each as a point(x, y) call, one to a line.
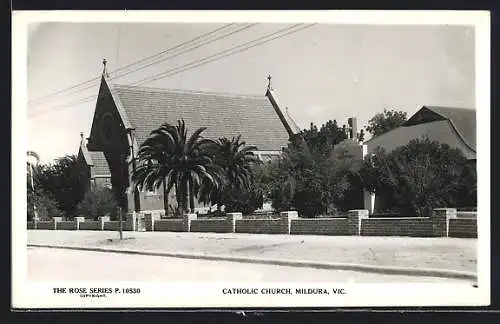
point(78, 220)
point(354, 220)
point(187, 218)
point(441, 221)
point(120, 219)
point(131, 221)
point(102, 220)
point(233, 217)
point(287, 216)
point(56, 220)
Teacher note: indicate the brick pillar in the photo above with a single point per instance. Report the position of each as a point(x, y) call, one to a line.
point(56, 220)
point(103, 219)
point(233, 217)
point(354, 220)
point(79, 220)
point(149, 221)
point(186, 221)
point(287, 216)
point(131, 221)
point(441, 221)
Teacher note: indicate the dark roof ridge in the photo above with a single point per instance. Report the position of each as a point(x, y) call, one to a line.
point(202, 92)
point(460, 135)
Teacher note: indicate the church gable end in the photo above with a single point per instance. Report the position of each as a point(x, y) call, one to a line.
point(108, 132)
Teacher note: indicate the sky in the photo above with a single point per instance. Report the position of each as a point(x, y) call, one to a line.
point(326, 71)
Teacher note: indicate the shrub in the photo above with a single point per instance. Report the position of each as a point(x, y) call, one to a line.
point(46, 205)
point(421, 176)
point(98, 201)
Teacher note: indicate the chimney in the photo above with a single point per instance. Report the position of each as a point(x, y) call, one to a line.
point(353, 127)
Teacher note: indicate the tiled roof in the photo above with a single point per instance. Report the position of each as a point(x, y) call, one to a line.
point(223, 114)
point(85, 153)
point(100, 163)
point(441, 131)
point(464, 121)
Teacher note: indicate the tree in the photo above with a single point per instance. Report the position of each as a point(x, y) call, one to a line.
point(322, 141)
point(63, 180)
point(98, 201)
point(386, 121)
point(308, 177)
point(168, 156)
point(419, 177)
point(236, 161)
point(46, 206)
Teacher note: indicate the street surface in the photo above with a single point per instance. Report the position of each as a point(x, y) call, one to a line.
point(49, 264)
point(412, 252)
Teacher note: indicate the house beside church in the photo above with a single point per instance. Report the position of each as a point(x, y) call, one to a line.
point(125, 115)
point(453, 126)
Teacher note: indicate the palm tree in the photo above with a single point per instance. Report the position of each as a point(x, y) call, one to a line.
point(169, 158)
point(235, 161)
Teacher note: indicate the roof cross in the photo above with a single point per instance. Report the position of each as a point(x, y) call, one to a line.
point(269, 84)
point(104, 70)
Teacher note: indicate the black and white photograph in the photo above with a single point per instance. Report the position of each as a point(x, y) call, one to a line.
point(250, 159)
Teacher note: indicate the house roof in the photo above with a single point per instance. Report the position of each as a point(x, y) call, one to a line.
point(226, 115)
point(453, 126)
point(463, 120)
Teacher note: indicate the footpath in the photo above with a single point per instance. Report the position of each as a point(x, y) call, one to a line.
point(436, 257)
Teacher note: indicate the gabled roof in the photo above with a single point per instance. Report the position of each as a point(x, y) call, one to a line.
point(463, 120)
point(453, 126)
point(95, 159)
point(100, 164)
point(227, 115)
point(85, 153)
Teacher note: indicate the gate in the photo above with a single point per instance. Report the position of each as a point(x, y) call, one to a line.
point(140, 225)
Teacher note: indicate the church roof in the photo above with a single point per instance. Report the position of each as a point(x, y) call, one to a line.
point(100, 163)
point(453, 126)
point(226, 115)
point(95, 159)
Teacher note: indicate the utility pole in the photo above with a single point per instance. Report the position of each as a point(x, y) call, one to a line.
point(32, 170)
point(120, 218)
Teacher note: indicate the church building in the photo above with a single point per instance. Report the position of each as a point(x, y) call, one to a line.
point(125, 115)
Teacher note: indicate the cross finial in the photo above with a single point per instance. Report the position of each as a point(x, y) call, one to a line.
point(269, 84)
point(104, 70)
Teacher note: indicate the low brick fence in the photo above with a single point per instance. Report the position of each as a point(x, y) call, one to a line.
point(401, 226)
point(90, 226)
point(67, 225)
point(467, 214)
point(221, 225)
point(112, 225)
point(46, 225)
point(321, 226)
point(463, 228)
point(169, 225)
point(443, 223)
point(262, 226)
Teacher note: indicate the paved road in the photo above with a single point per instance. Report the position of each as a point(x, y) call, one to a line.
point(440, 253)
point(48, 264)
